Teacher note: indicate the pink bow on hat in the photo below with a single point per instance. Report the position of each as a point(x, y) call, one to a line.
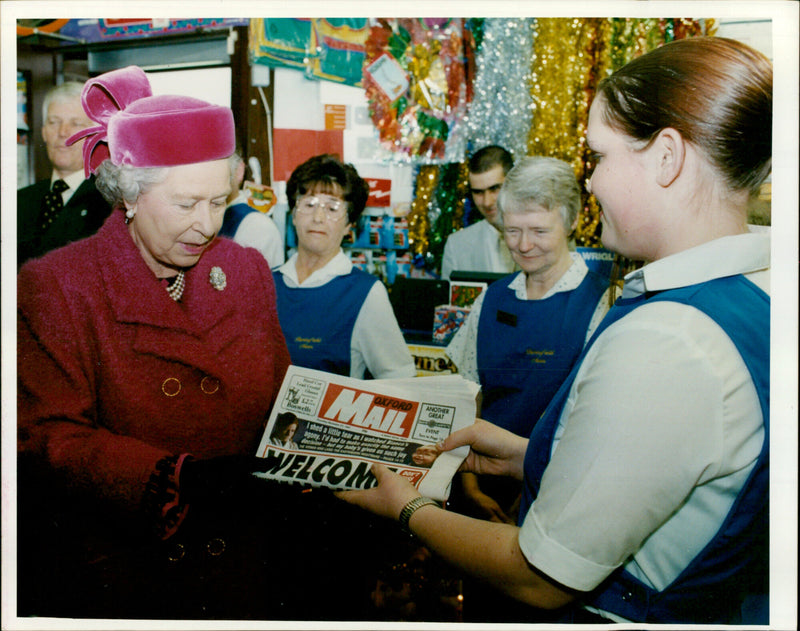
point(141, 130)
point(101, 99)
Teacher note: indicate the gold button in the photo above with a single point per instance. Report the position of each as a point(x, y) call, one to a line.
point(176, 553)
point(216, 547)
point(209, 385)
point(171, 386)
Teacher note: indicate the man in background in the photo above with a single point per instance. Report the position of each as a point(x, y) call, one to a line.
point(481, 247)
point(67, 206)
point(250, 227)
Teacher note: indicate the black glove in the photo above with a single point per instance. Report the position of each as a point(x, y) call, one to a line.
point(216, 478)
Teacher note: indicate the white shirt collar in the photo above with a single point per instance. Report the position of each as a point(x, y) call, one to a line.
point(73, 180)
point(569, 280)
point(241, 198)
point(339, 265)
point(726, 256)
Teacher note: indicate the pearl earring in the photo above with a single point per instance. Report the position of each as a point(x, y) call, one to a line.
point(129, 215)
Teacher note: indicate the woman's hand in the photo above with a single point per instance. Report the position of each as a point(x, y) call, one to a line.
point(387, 499)
point(493, 450)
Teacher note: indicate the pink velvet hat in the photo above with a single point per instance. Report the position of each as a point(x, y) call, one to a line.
point(138, 129)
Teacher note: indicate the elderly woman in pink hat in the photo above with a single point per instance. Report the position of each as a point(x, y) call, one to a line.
point(149, 356)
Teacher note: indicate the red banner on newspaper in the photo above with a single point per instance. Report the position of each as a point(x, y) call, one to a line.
point(366, 409)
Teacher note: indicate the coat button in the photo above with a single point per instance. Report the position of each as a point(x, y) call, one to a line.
point(209, 385)
point(215, 547)
point(176, 553)
point(171, 386)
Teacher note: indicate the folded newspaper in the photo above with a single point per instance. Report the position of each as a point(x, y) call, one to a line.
point(328, 430)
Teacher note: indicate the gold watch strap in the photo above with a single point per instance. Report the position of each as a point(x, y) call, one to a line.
point(412, 507)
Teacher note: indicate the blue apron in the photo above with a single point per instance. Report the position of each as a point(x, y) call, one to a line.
point(233, 217)
point(318, 322)
point(526, 348)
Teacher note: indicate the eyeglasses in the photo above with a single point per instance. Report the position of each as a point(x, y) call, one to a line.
point(333, 209)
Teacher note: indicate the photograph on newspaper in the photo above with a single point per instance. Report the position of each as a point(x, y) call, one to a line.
point(328, 430)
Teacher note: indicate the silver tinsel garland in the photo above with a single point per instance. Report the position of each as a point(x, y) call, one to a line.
point(501, 109)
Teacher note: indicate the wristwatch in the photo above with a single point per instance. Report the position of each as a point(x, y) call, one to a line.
point(412, 507)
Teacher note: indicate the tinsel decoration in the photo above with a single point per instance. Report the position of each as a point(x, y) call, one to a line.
point(630, 37)
point(562, 81)
point(472, 34)
point(418, 222)
point(476, 26)
point(446, 213)
point(500, 111)
point(687, 27)
point(534, 83)
point(561, 75)
point(421, 124)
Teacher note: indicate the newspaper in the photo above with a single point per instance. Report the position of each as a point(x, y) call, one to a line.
point(328, 430)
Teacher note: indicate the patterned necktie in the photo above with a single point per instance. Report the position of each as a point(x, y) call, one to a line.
point(52, 203)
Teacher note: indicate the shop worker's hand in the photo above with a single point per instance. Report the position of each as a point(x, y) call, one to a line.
point(387, 499)
point(493, 450)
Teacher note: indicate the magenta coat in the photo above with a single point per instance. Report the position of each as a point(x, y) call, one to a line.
point(114, 375)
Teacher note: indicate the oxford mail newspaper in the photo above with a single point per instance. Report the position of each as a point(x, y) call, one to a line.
point(328, 430)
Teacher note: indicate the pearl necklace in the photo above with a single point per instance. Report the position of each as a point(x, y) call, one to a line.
point(176, 286)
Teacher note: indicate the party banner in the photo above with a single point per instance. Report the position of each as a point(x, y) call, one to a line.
point(324, 48)
point(107, 29)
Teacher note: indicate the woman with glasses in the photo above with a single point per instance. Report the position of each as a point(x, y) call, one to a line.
point(335, 317)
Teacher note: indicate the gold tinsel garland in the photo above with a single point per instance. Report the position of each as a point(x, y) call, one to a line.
point(564, 78)
point(560, 75)
point(418, 222)
point(461, 195)
point(571, 55)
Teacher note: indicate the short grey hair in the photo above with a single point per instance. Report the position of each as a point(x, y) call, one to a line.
point(120, 184)
point(546, 182)
point(65, 92)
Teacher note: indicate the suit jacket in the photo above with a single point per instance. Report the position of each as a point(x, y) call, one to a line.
point(82, 216)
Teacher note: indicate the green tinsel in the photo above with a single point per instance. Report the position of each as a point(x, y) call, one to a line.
point(449, 197)
point(476, 26)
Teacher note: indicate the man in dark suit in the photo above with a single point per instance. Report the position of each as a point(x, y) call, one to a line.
point(67, 207)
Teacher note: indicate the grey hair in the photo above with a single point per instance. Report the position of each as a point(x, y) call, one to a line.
point(546, 182)
point(64, 92)
point(120, 184)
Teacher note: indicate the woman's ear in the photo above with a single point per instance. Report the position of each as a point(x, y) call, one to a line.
point(670, 152)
